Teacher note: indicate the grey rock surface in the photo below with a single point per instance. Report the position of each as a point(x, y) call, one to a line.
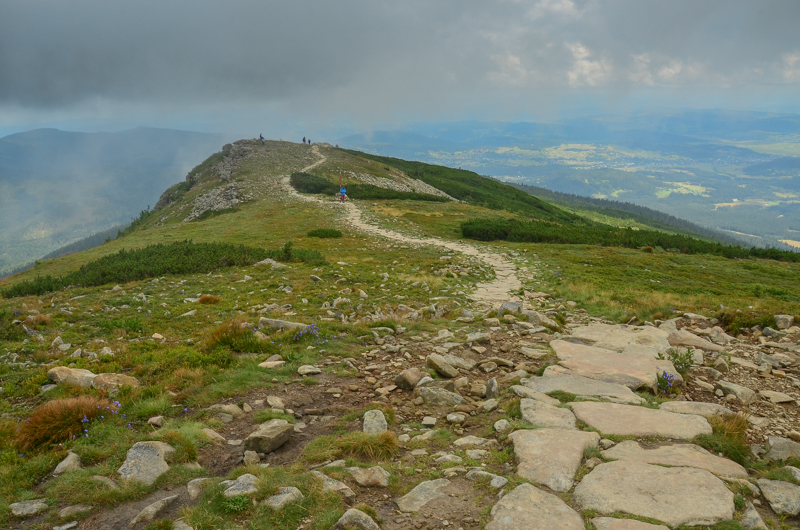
point(152, 510)
point(355, 520)
point(628, 420)
point(146, 461)
point(678, 455)
point(28, 508)
point(286, 495)
point(609, 523)
point(675, 496)
point(439, 397)
point(375, 422)
point(551, 456)
point(584, 387)
point(528, 507)
point(783, 497)
point(331, 484)
point(422, 494)
point(541, 414)
point(269, 436)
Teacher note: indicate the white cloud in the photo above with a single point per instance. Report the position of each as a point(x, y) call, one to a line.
point(562, 8)
point(510, 72)
point(585, 71)
point(791, 66)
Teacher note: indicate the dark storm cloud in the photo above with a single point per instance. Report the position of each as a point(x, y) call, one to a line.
point(367, 55)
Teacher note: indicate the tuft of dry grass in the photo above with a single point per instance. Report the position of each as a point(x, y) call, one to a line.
point(38, 320)
point(209, 299)
point(58, 421)
point(354, 444)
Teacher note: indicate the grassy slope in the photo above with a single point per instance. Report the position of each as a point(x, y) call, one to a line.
point(610, 284)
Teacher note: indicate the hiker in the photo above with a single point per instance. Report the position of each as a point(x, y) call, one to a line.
point(343, 194)
point(304, 140)
point(261, 137)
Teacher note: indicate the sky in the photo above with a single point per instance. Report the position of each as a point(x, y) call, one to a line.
point(329, 68)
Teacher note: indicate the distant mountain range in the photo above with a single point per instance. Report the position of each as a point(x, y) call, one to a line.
point(57, 187)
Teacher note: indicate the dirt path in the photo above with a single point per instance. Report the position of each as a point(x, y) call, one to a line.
point(492, 293)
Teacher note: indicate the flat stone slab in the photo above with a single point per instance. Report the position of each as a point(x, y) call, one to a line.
point(541, 414)
point(284, 497)
point(146, 461)
point(265, 322)
point(632, 371)
point(525, 392)
point(422, 494)
point(783, 497)
point(331, 484)
point(583, 387)
point(690, 340)
point(675, 496)
point(698, 408)
point(28, 508)
point(151, 511)
point(629, 420)
point(678, 455)
point(551, 456)
point(609, 523)
point(354, 519)
point(531, 508)
point(782, 448)
point(619, 337)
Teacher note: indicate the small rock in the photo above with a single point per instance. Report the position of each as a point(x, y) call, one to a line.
point(269, 436)
point(783, 497)
point(146, 461)
point(72, 462)
point(156, 421)
point(308, 369)
point(251, 458)
point(75, 509)
point(149, 513)
point(330, 484)
point(195, 487)
point(502, 426)
point(373, 477)
point(442, 367)
point(408, 379)
point(243, 485)
point(375, 422)
point(421, 495)
point(355, 520)
point(27, 508)
point(284, 496)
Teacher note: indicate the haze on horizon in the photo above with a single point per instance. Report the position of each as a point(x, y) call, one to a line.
point(331, 68)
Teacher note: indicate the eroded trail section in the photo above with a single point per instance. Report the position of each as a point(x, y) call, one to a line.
point(492, 293)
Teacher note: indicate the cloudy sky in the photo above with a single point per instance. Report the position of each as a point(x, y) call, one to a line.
point(327, 67)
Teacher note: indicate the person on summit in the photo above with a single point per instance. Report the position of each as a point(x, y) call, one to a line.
point(304, 140)
point(261, 137)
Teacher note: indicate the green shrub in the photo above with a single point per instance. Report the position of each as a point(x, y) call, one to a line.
point(184, 257)
point(305, 183)
point(10, 332)
point(325, 233)
point(681, 360)
point(587, 232)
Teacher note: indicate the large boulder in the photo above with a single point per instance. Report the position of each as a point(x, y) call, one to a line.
point(71, 376)
point(783, 497)
point(113, 381)
point(269, 436)
point(146, 461)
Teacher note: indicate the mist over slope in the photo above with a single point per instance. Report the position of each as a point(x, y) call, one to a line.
point(57, 187)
